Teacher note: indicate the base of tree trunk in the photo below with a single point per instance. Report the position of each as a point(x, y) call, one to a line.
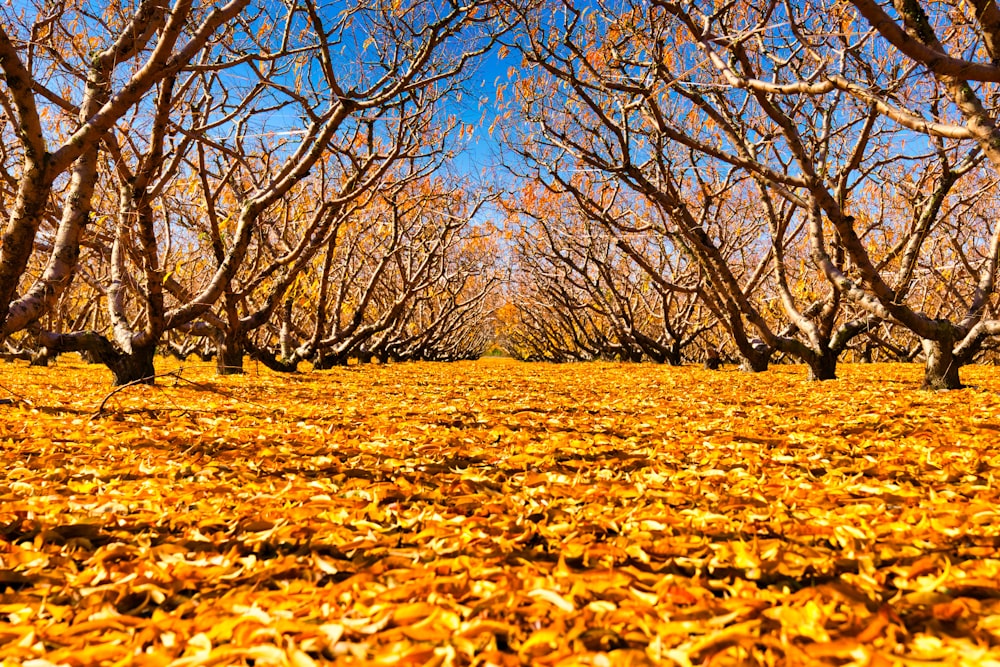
point(823, 369)
point(41, 357)
point(135, 368)
point(266, 356)
point(327, 361)
point(755, 357)
point(937, 377)
point(941, 368)
point(866, 353)
point(16, 355)
point(229, 360)
point(755, 364)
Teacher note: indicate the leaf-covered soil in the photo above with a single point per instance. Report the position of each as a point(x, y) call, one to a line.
point(499, 513)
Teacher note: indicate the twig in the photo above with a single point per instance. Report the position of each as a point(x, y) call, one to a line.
point(176, 374)
point(222, 392)
point(142, 380)
point(10, 401)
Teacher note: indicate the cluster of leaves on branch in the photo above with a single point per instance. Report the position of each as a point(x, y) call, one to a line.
point(819, 176)
point(500, 513)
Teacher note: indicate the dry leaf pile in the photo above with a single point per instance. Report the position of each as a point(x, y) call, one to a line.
point(500, 513)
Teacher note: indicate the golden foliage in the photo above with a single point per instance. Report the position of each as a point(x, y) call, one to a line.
point(500, 513)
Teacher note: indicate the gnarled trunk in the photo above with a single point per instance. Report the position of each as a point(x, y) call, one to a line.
point(755, 363)
point(267, 357)
point(673, 356)
point(229, 357)
point(329, 360)
point(42, 357)
point(135, 368)
point(755, 354)
point(941, 366)
point(823, 366)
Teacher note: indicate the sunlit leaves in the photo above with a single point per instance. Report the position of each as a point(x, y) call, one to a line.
point(501, 513)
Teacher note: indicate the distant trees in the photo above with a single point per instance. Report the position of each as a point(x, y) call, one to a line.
point(400, 278)
point(587, 289)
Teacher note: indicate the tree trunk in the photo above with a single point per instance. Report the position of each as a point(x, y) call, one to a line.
point(229, 359)
point(206, 351)
point(327, 361)
point(267, 357)
point(755, 363)
point(133, 368)
point(41, 357)
point(285, 337)
point(866, 352)
point(673, 355)
point(128, 368)
point(756, 356)
point(12, 355)
point(941, 366)
point(823, 366)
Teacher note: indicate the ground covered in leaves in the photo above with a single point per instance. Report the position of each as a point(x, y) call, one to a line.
point(499, 513)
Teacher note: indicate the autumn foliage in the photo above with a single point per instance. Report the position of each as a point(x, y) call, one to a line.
point(499, 513)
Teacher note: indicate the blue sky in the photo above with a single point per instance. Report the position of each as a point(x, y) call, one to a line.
point(479, 109)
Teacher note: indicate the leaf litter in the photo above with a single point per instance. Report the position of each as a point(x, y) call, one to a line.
point(500, 513)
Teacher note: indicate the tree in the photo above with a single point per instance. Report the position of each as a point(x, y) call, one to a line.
point(453, 317)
